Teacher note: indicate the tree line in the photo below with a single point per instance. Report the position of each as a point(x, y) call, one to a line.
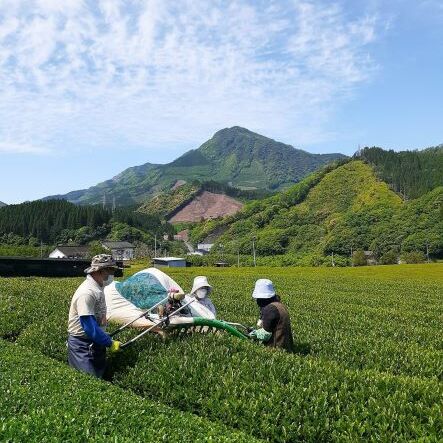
point(410, 173)
point(55, 221)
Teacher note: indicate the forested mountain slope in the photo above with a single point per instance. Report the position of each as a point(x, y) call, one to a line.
point(410, 173)
point(336, 210)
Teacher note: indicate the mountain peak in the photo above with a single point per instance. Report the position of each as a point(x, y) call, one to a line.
point(236, 130)
point(234, 156)
point(240, 133)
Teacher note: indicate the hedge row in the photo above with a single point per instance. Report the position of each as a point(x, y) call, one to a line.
point(44, 400)
point(372, 341)
point(391, 325)
point(380, 318)
point(278, 396)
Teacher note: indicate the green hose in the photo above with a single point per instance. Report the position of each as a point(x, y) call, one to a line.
point(217, 324)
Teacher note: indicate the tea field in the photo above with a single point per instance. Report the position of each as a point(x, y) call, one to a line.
point(368, 364)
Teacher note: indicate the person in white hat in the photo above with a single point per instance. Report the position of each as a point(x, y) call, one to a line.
point(274, 325)
point(202, 305)
point(87, 340)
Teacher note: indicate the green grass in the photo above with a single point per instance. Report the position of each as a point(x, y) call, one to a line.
point(368, 366)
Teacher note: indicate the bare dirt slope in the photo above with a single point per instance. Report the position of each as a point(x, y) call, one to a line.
point(205, 206)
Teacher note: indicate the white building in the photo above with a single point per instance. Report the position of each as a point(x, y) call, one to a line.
point(210, 240)
point(120, 250)
point(205, 246)
point(169, 262)
point(69, 251)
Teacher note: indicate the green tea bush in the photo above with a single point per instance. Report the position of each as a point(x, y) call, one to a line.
point(368, 365)
point(362, 323)
point(43, 400)
point(282, 397)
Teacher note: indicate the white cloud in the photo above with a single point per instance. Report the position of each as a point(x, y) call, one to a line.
point(145, 73)
point(22, 148)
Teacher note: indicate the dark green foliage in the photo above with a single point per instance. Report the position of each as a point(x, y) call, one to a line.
point(144, 222)
point(46, 220)
point(358, 258)
point(389, 258)
point(410, 173)
point(58, 221)
point(95, 248)
point(233, 156)
point(413, 257)
point(241, 194)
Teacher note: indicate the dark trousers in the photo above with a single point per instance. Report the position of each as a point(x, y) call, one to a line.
point(86, 356)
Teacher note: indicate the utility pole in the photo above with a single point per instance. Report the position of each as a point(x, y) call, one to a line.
point(253, 249)
point(333, 264)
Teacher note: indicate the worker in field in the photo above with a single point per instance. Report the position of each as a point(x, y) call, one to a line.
point(274, 325)
point(87, 339)
point(202, 305)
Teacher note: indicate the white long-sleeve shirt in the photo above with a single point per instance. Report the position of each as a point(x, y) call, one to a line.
point(201, 307)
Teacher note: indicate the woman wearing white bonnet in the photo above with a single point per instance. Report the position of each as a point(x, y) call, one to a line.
point(202, 306)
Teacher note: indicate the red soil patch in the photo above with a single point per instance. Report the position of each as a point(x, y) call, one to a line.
point(205, 206)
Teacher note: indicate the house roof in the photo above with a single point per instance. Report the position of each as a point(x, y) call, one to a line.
point(167, 259)
point(73, 250)
point(117, 244)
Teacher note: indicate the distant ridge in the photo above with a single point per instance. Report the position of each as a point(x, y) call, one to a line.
point(234, 156)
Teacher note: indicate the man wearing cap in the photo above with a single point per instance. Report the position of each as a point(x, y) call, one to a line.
point(87, 340)
point(274, 326)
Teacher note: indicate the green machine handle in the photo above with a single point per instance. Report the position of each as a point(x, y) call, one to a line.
point(217, 324)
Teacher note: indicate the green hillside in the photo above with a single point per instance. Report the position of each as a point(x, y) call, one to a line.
point(234, 156)
point(410, 173)
point(336, 210)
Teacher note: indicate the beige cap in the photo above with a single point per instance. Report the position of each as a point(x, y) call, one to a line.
point(101, 261)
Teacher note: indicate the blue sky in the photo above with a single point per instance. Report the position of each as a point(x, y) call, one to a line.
point(91, 87)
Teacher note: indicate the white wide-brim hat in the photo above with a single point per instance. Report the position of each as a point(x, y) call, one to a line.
point(200, 282)
point(264, 288)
